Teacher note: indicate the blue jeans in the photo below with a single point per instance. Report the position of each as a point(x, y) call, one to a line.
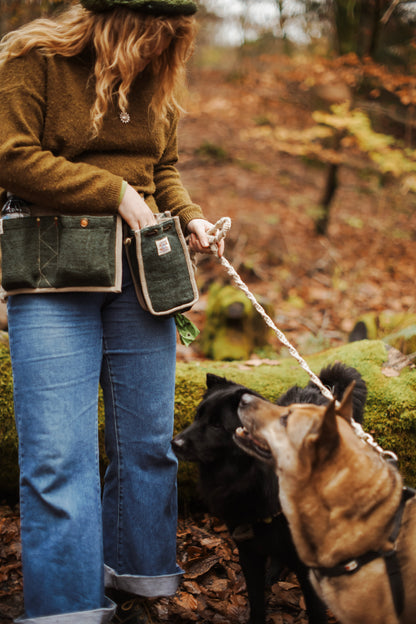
point(74, 543)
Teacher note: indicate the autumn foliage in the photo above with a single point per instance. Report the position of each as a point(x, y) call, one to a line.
point(261, 140)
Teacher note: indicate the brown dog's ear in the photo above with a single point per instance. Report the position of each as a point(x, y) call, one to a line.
point(328, 437)
point(322, 436)
point(345, 410)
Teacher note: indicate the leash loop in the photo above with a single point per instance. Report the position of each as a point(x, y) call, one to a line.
point(218, 232)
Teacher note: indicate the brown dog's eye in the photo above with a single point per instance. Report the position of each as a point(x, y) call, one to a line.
point(283, 419)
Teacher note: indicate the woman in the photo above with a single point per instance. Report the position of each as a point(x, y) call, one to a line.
point(89, 125)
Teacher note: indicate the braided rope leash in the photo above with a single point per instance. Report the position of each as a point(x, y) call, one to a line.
point(215, 235)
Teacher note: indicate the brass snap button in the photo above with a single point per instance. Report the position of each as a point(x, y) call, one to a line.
point(84, 222)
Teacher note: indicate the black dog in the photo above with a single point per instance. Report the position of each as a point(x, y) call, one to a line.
point(243, 491)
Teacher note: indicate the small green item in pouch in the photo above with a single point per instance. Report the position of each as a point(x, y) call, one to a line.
point(186, 329)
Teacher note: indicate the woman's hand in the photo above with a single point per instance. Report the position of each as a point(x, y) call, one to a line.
point(198, 240)
point(134, 210)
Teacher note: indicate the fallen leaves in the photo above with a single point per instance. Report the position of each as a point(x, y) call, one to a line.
point(10, 565)
point(214, 589)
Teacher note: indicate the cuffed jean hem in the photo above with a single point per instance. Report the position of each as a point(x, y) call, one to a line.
point(96, 616)
point(147, 586)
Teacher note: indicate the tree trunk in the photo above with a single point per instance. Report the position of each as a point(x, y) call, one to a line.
point(375, 29)
point(321, 224)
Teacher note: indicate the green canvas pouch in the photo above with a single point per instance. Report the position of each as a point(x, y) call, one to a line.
point(61, 253)
point(161, 267)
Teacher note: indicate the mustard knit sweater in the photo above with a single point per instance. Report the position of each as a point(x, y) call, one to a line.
point(47, 155)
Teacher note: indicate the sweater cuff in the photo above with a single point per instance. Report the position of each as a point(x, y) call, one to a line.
point(122, 191)
point(187, 214)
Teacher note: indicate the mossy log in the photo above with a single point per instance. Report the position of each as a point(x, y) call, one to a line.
point(233, 328)
point(390, 414)
point(397, 329)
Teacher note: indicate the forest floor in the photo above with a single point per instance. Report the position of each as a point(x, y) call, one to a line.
point(318, 287)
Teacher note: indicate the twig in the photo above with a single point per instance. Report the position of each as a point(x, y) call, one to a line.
point(387, 15)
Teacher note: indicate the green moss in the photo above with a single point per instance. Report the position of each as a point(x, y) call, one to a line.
point(390, 414)
point(9, 471)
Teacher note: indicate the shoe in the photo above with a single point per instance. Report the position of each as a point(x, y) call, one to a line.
point(132, 610)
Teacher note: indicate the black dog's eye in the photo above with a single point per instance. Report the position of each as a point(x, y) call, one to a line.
point(283, 419)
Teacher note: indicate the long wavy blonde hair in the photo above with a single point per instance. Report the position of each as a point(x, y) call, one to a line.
point(124, 41)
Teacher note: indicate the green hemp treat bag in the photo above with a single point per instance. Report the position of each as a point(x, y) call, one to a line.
point(61, 253)
point(161, 267)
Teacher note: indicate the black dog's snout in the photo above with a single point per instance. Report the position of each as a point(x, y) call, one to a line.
point(183, 446)
point(177, 442)
point(179, 446)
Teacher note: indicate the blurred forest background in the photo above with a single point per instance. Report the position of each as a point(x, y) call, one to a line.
point(301, 126)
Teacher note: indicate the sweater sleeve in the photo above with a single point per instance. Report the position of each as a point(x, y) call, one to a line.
point(27, 169)
point(170, 193)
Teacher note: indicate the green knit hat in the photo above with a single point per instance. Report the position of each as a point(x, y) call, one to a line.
point(154, 7)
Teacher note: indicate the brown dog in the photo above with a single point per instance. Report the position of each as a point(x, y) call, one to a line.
point(341, 498)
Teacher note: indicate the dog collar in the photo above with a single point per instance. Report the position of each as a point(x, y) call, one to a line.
point(390, 558)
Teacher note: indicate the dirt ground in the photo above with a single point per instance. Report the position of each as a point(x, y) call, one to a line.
point(318, 286)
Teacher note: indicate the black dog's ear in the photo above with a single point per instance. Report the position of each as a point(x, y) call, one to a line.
point(215, 380)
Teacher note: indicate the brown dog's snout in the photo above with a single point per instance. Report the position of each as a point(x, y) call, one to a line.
point(247, 408)
point(251, 412)
point(256, 413)
point(246, 399)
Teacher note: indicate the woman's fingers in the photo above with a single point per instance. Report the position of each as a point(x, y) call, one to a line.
point(198, 240)
point(134, 210)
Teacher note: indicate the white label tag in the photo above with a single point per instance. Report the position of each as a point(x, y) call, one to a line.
point(163, 246)
point(1, 226)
